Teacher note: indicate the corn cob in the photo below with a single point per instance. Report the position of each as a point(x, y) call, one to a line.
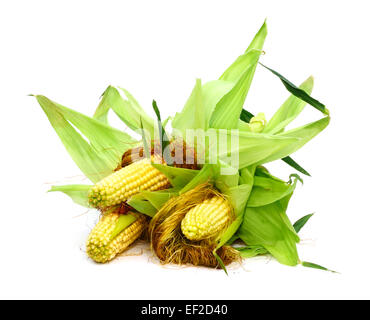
point(124, 183)
point(113, 234)
point(207, 219)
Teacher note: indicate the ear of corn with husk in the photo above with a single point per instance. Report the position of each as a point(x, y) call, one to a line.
point(113, 234)
point(202, 211)
point(126, 182)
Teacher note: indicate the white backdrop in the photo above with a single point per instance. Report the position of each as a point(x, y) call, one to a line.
point(71, 51)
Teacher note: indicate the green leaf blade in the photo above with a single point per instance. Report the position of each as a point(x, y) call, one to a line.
point(229, 108)
point(77, 192)
point(293, 89)
point(316, 266)
point(299, 224)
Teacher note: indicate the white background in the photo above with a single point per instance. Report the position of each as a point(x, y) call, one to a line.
point(71, 51)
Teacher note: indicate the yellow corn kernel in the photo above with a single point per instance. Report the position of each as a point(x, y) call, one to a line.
point(113, 234)
point(207, 219)
point(124, 183)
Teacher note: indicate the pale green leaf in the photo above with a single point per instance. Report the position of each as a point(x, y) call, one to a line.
point(245, 118)
point(290, 109)
point(266, 191)
point(149, 202)
point(303, 135)
point(178, 177)
point(251, 148)
point(259, 39)
point(99, 154)
point(132, 112)
point(227, 112)
point(108, 100)
point(238, 197)
point(236, 70)
point(77, 192)
point(192, 115)
point(266, 226)
point(123, 222)
point(213, 91)
point(206, 174)
point(128, 110)
point(224, 182)
point(159, 198)
point(251, 251)
point(228, 109)
point(142, 205)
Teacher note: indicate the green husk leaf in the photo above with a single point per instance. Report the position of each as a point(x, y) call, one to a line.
point(261, 171)
point(140, 204)
point(178, 177)
point(77, 192)
point(299, 92)
point(132, 112)
point(316, 266)
point(206, 174)
point(224, 182)
point(159, 198)
point(238, 197)
point(268, 226)
point(246, 116)
point(290, 110)
point(259, 39)
point(202, 102)
point(227, 112)
point(107, 99)
point(129, 111)
point(266, 191)
point(149, 202)
point(264, 226)
point(236, 70)
point(251, 251)
point(303, 134)
point(192, 115)
point(247, 175)
point(123, 222)
point(99, 154)
point(212, 93)
point(299, 224)
point(241, 72)
point(232, 239)
point(253, 148)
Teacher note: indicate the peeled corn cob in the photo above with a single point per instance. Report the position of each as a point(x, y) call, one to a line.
point(206, 220)
point(124, 183)
point(113, 234)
